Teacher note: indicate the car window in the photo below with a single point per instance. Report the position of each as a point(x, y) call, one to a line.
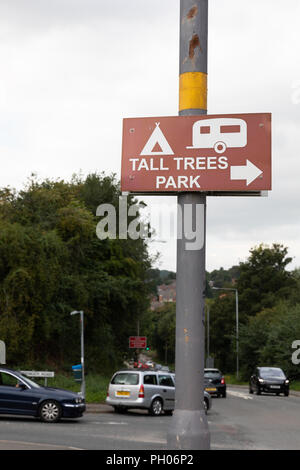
point(269, 372)
point(212, 373)
point(165, 380)
point(125, 378)
point(8, 380)
point(150, 379)
point(31, 383)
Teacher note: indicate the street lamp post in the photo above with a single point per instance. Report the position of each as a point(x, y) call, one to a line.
point(207, 327)
point(237, 323)
point(82, 349)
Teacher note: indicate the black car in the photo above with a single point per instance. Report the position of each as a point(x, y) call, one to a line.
point(214, 382)
point(21, 396)
point(269, 380)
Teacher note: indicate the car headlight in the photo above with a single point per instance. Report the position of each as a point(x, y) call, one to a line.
point(261, 381)
point(287, 381)
point(78, 400)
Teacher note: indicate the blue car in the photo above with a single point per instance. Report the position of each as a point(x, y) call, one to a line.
point(21, 396)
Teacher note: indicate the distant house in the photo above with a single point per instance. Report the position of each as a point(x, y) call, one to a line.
point(165, 293)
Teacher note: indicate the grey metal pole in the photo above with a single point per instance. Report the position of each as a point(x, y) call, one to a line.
point(237, 331)
point(82, 355)
point(189, 427)
point(75, 312)
point(207, 327)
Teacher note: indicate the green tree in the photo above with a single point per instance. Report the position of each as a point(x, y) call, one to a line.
point(51, 262)
point(253, 337)
point(277, 350)
point(222, 331)
point(264, 279)
point(267, 338)
point(162, 333)
point(262, 283)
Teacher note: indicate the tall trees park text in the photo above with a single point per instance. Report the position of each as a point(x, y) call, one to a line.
point(182, 164)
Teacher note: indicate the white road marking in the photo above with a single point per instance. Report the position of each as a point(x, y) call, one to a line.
point(244, 395)
point(115, 423)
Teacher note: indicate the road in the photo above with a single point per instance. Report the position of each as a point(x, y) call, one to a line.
point(239, 422)
point(248, 422)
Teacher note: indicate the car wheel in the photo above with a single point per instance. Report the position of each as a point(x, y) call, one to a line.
point(50, 411)
point(156, 407)
point(224, 394)
point(250, 390)
point(286, 393)
point(258, 391)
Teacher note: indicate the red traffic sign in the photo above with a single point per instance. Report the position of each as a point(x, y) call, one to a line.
point(138, 342)
point(197, 153)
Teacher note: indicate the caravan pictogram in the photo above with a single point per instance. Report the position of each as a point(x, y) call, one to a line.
point(157, 141)
point(219, 134)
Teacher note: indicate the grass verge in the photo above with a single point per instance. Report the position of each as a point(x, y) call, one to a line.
point(232, 380)
point(95, 384)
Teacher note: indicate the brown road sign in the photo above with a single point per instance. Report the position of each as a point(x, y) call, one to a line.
point(197, 153)
point(138, 342)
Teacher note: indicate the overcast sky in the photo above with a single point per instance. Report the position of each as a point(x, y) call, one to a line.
point(71, 70)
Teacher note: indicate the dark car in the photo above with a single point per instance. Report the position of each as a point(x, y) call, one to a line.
point(21, 396)
point(269, 380)
point(214, 382)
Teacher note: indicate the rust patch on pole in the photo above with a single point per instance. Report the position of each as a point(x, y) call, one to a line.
point(186, 336)
point(192, 13)
point(194, 43)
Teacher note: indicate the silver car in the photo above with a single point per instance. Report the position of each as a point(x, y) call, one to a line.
point(151, 390)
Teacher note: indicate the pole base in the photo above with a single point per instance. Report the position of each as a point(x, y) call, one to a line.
point(189, 431)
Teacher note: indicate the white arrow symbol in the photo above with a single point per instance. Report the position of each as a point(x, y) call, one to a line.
point(248, 172)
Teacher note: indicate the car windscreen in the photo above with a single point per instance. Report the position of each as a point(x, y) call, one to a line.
point(29, 382)
point(124, 378)
point(211, 374)
point(270, 372)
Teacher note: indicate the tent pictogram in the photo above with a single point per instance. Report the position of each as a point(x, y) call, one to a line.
point(157, 144)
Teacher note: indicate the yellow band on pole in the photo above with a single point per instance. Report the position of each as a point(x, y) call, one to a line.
point(193, 91)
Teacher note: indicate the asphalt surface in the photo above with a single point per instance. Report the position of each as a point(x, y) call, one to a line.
point(252, 422)
point(239, 422)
